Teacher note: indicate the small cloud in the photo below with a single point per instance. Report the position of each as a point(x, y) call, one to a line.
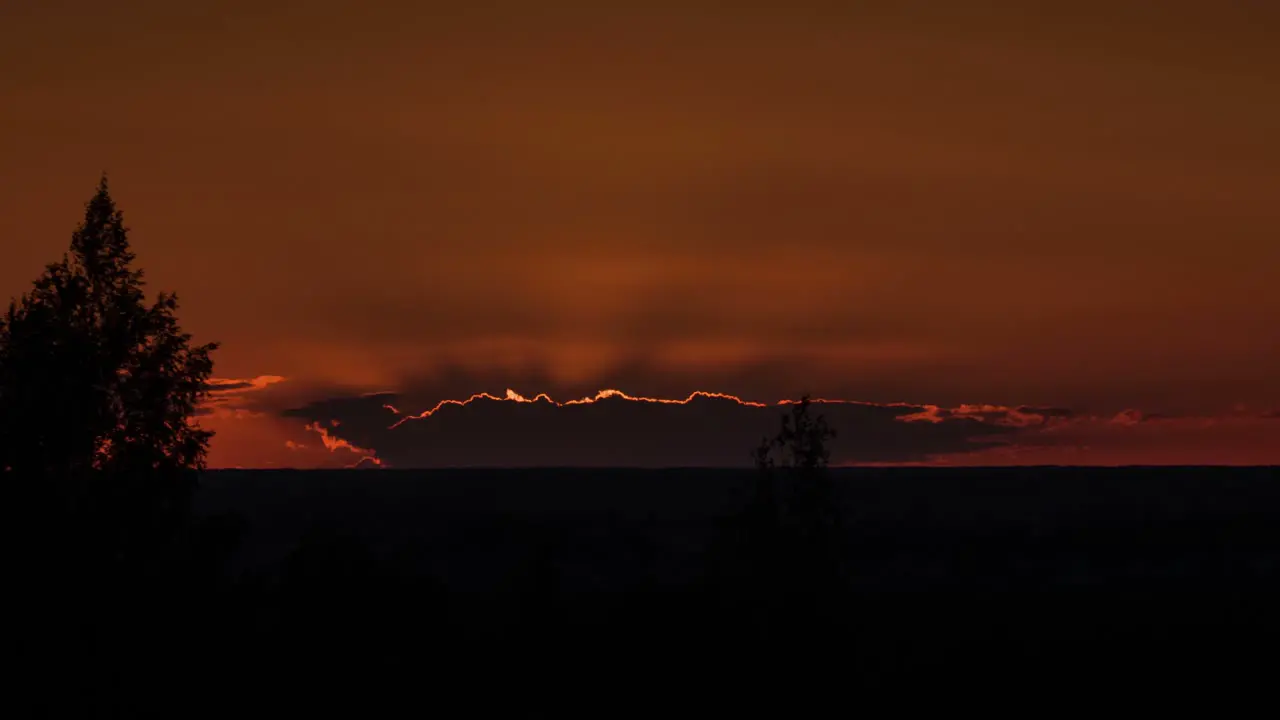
point(229, 385)
point(1128, 418)
point(1001, 415)
point(334, 443)
point(229, 397)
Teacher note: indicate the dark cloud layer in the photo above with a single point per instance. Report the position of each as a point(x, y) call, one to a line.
point(615, 431)
point(268, 422)
point(603, 429)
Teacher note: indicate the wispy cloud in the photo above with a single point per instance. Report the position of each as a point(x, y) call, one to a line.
point(333, 443)
point(229, 397)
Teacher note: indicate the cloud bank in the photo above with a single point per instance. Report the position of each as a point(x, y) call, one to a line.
point(612, 428)
point(265, 421)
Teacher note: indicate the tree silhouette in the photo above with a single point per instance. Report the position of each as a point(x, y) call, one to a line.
point(799, 453)
point(98, 453)
point(98, 388)
point(790, 526)
point(772, 565)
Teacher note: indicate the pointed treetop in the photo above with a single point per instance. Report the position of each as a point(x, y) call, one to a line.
point(95, 377)
point(102, 239)
point(102, 198)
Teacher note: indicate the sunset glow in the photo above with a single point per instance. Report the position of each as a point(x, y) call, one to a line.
point(1056, 222)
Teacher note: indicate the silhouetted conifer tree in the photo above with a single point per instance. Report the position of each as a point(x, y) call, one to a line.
point(98, 388)
point(98, 454)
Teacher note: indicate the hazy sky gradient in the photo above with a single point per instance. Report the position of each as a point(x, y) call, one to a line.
point(1073, 204)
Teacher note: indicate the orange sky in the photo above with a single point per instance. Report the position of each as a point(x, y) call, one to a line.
point(1068, 204)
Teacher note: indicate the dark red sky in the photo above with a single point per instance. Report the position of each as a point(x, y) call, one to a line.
point(1065, 204)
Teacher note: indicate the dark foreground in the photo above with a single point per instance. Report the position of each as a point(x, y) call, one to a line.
point(623, 593)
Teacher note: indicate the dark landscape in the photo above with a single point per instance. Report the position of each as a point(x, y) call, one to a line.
point(638, 359)
point(623, 587)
